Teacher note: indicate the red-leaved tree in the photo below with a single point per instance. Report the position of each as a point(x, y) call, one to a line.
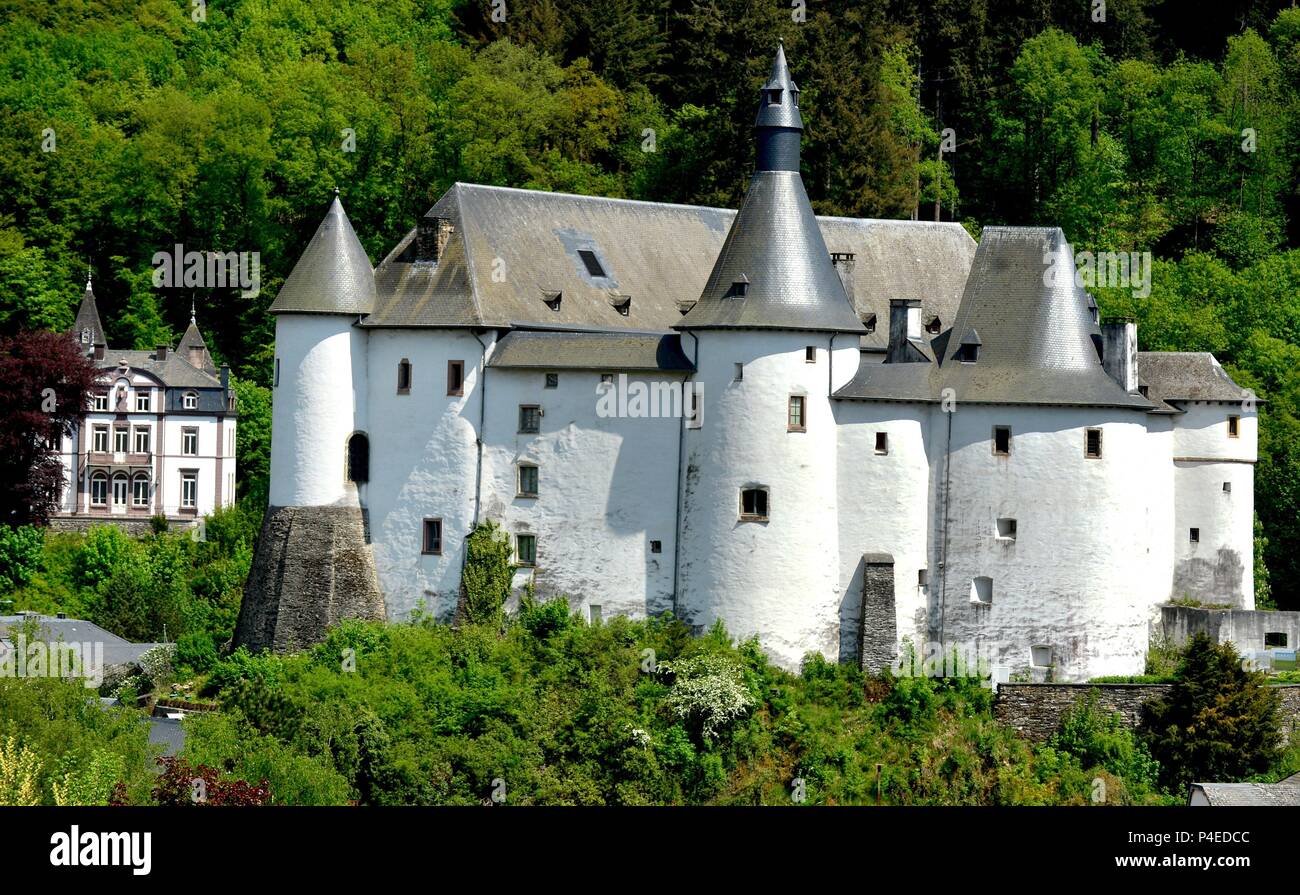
point(45, 382)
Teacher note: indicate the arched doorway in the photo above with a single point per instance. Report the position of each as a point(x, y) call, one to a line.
point(358, 458)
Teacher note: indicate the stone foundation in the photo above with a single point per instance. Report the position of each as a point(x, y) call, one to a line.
point(313, 568)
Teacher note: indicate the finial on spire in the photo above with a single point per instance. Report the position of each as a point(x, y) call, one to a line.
point(336, 191)
point(778, 123)
point(88, 272)
point(193, 321)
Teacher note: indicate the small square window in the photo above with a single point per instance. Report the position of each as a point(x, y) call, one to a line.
point(530, 419)
point(99, 401)
point(1002, 440)
point(922, 577)
point(552, 380)
point(1040, 656)
point(1007, 529)
point(810, 354)
point(1233, 426)
point(1194, 535)
point(1227, 487)
point(882, 442)
point(981, 590)
point(142, 402)
point(456, 377)
point(527, 480)
point(607, 378)
point(432, 541)
point(526, 550)
point(796, 421)
point(753, 504)
point(1092, 443)
point(1275, 640)
point(656, 546)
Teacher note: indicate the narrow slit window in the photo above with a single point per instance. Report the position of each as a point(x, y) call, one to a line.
point(1194, 535)
point(810, 354)
point(882, 443)
point(1234, 423)
point(796, 421)
point(1092, 444)
point(1002, 440)
point(455, 377)
point(740, 372)
point(432, 542)
point(404, 377)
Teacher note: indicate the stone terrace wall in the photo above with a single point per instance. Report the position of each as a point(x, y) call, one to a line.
point(1035, 710)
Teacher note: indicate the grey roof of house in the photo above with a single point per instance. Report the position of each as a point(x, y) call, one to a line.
point(194, 339)
point(333, 275)
point(590, 351)
point(1188, 376)
point(168, 733)
point(88, 318)
point(1034, 330)
point(1250, 794)
point(117, 650)
point(174, 372)
point(776, 247)
point(659, 254)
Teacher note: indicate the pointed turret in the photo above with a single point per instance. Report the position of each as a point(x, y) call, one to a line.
point(774, 270)
point(193, 349)
point(333, 275)
point(88, 331)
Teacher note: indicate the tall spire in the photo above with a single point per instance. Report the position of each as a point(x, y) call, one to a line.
point(87, 330)
point(778, 124)
point(774, 270)
point(193, 317)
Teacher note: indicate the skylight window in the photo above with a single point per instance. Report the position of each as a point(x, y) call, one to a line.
point(591, 262)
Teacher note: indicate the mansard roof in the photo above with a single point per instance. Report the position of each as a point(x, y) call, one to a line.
point(1188, 376)
point(172, 372)
point(614, 351)
point(512, 252)
point(333, 275)
point(88, 319)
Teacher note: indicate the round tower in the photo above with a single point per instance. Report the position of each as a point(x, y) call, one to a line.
point(772, 335)
point(313, 565)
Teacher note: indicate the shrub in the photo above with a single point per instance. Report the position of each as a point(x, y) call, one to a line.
point(182, 784)
point(1099, 739)
point(708, 690)
point(486, 580)
point(1219, 722)
point(22, 552)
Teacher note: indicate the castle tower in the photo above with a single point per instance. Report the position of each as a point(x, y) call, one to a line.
point(87, 329)
point(314, 565)
point(772, 335)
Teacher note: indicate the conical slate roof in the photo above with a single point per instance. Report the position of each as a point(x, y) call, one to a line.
point(1031, 322)
point(333, 275)
point(193, 341)
point(88, 321)
point(774, 270)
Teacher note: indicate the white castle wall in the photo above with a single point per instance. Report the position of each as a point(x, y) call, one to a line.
point(779, 579)
point(1219, 567)
point(883, 508)
point(607, 487)
point(1074, 579)
point(318, 402)
point(422, 463)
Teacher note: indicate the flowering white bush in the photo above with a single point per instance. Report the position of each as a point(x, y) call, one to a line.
point(156, 663)
point(639, 737)
point(710, 689)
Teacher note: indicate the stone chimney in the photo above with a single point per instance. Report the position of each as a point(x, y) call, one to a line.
point(431, 238)
point(905, 334)
point(99, 351)
point(1119, 352)
point(843, 262)
point(161, 352)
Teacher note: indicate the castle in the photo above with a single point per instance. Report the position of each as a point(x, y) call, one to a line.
point(158, 438)
point(833, 433)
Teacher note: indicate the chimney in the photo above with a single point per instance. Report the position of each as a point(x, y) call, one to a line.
point(99, 351)
point(225, 377)
point(431, 238)
point(1119, 352)
point(162, 352)
point(904, 328)
point(843, 262)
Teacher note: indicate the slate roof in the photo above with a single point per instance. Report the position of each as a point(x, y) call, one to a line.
point(658, 253)
point(333, 274)
point(776, 247)
point(522, 349)
point(194, 339)
point(1188, 376)
point(1247, 795)
point(117, 650)
point(785, 113)
point(174, 372)
point(88, 318)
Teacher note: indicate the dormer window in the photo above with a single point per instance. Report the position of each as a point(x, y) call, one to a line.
point(774, 97)
point(621, 303)
point(869, 322)
point(552, 299)
point(190, 401)
point(933, 325)
point(85, 337)
point(739, 288)
point(967, 354)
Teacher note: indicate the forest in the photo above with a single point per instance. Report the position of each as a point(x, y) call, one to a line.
point(130, 126)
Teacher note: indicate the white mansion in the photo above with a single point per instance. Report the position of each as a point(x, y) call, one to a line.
point(891, 432)
point(157, 439)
